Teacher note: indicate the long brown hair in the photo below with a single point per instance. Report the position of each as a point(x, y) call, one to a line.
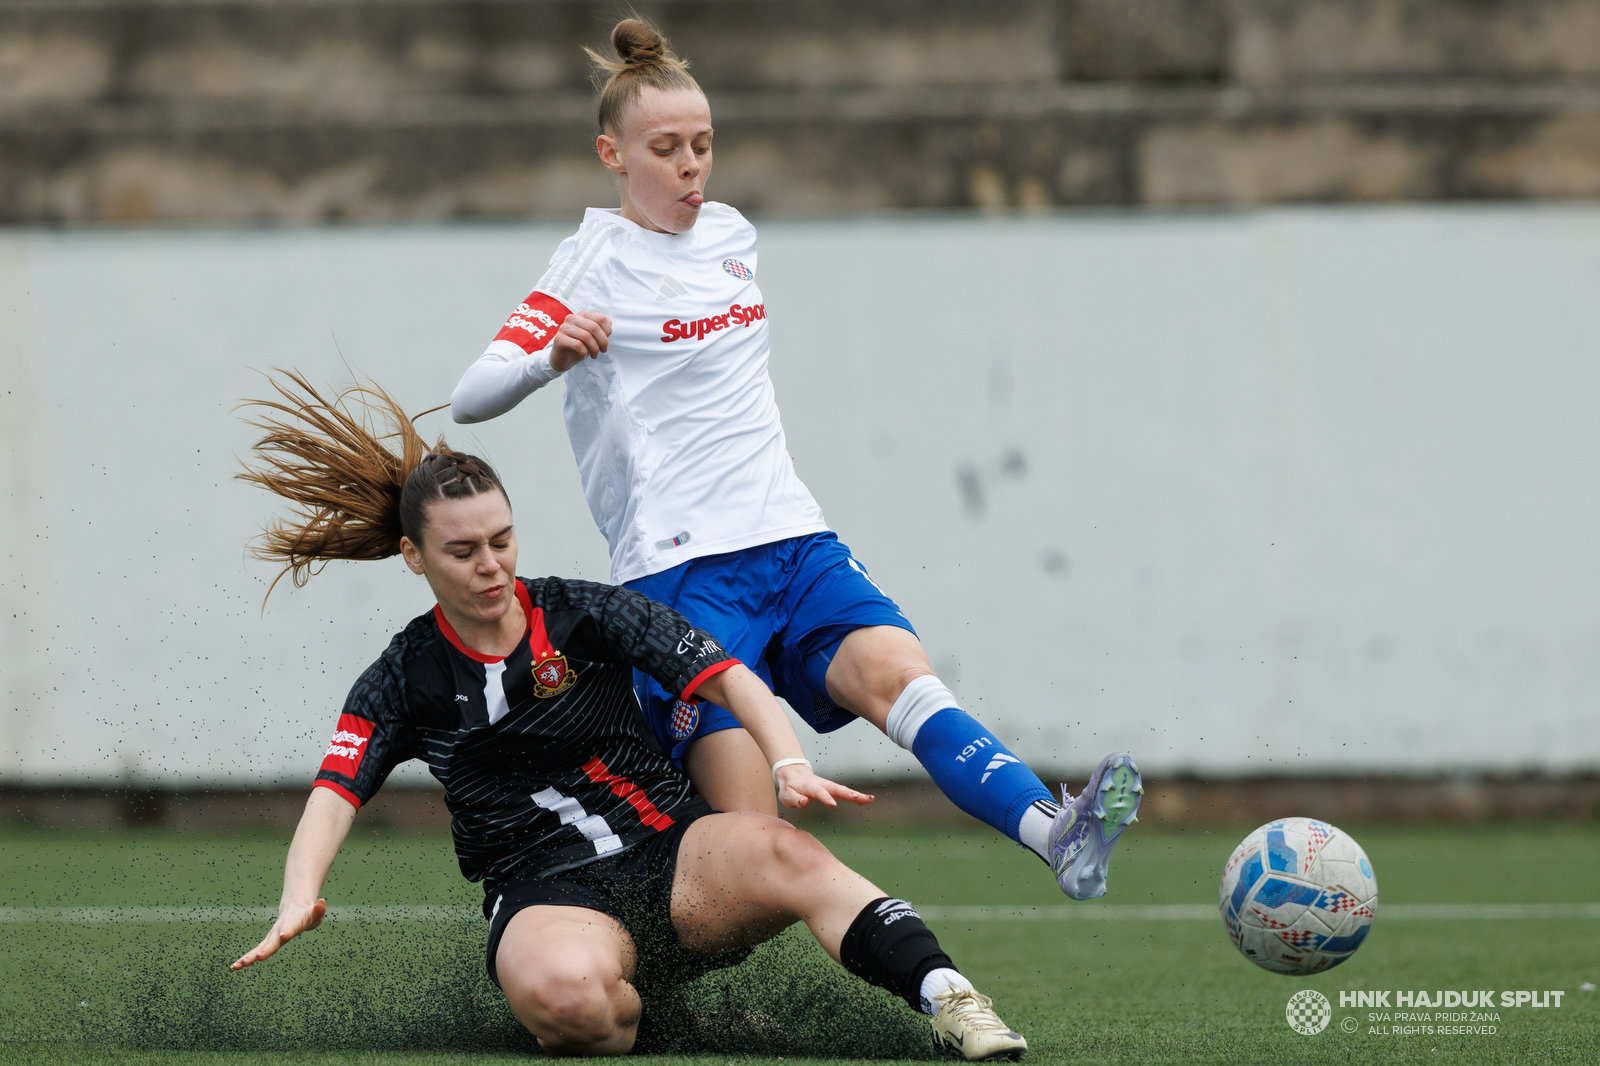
point(643, 58)
point(358, 475)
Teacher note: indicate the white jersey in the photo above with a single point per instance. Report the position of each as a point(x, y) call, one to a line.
point(675, 427)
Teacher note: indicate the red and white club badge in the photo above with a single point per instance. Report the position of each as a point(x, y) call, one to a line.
point(685, 717)
point(552, 676)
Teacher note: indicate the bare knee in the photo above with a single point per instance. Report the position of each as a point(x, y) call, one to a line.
point(571, 1008)
point(799, 857)
point(872, 667)
point(901, 675)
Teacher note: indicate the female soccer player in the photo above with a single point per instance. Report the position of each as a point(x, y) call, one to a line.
point(603, 872)
point(652, 313)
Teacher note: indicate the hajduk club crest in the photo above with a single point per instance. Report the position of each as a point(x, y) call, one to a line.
point(552, 676)
point(685, 716)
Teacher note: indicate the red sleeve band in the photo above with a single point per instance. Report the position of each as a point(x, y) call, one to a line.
point(714, 668)
point(348, 746)
point(534, 323)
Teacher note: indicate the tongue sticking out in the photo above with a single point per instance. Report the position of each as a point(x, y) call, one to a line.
point(694, 199)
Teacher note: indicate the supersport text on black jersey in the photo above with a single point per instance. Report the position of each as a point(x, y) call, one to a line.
point(545, 759)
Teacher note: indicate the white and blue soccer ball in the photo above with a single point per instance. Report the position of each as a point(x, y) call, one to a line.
point(1298, 896)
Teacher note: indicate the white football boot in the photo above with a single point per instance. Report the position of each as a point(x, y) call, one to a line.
point(967, 1025)
point(1082, 835)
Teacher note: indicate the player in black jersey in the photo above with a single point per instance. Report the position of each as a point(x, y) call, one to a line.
point(603, 870)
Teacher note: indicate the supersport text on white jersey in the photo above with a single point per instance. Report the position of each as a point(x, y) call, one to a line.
point(675, 427)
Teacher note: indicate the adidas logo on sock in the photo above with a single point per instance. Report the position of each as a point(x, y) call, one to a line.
point(892, 910)
point(995, 764)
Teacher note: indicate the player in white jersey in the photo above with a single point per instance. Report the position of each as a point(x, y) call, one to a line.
point(653, 315)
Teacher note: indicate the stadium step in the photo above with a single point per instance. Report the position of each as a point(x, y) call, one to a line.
point(239, 110)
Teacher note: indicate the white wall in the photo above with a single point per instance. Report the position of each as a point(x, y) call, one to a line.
point(1301, 489)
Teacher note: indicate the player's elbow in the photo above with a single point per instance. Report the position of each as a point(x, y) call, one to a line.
point(464, 407)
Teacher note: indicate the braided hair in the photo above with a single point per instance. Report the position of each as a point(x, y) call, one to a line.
point(358, 475)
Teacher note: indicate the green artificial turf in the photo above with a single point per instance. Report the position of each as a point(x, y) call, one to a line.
point(1139, 991)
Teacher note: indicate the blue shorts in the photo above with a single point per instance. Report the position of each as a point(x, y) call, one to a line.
point(782, 609)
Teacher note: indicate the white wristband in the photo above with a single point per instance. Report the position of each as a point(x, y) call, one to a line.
point(781, 763)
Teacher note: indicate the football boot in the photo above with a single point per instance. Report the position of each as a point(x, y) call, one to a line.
point(1083, 833)
point(967, 1025)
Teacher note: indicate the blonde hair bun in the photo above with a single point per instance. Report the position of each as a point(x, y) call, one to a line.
point(639, 44)
point(644, 57)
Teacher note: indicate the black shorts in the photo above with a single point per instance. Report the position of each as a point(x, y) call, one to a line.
point(635, 888)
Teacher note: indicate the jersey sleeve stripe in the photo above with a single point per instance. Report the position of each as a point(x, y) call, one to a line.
point(714, 668)
point(340, 790)
point(574, 269)
point(559, 274)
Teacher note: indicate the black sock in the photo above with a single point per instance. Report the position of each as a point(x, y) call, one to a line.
point(889, 946)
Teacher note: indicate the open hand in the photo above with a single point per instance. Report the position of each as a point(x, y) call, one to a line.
point(798, 785)
point(292, 921)
point(583, 335)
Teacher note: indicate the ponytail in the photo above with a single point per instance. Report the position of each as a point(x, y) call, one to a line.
point(643, 58)
point(356, 487)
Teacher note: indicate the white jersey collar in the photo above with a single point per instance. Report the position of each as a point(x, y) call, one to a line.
point(667, 241)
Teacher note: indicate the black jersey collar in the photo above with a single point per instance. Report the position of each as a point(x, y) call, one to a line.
point(478, 656)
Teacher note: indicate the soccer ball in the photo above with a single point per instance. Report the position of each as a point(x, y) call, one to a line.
point(1298, 896)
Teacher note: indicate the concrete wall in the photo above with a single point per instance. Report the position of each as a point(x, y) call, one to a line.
point(229, 111)
point(1277, 491)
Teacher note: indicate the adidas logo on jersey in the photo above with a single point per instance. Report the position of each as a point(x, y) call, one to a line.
point(676, 330)
point(670, 288)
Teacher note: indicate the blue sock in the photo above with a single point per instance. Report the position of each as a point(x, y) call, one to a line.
point(976, 771)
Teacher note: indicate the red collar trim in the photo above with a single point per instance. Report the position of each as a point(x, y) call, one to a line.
point(478, 656)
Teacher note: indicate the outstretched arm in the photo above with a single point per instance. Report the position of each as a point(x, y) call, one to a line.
point(322, 830)
point(504, 376)
point(752, 703)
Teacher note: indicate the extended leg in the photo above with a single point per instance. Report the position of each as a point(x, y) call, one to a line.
point(881, 674)
point(742, 878)
point(566, 972)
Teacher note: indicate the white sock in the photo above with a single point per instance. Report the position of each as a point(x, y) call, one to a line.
point(1034, 829)
point(919, 701)
point(940, 980)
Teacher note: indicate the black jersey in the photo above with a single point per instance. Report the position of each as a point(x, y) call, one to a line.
point(544, 756)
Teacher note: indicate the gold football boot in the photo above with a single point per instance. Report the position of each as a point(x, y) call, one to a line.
point(967, 1024)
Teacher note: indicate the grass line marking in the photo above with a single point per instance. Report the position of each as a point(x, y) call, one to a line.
point(246, 915)
point(1198, 912)
point(1056, 912)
